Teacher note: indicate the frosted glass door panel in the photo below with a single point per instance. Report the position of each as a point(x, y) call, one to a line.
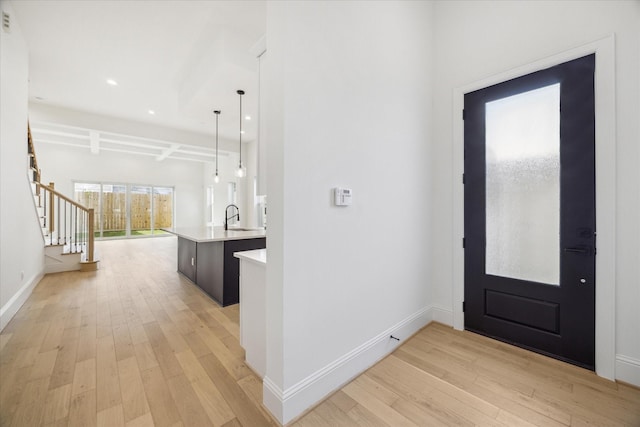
point(523, 186)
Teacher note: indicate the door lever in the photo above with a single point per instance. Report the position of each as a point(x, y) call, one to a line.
point(579, 250)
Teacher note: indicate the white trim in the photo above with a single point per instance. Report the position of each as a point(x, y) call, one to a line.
point(628, 370)
point(286, 405)
point(13, 305)
point(441, 315)
point(259, 47)
point(605, 190)
point(96, 141)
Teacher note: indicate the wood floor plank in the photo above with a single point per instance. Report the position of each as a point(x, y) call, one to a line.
point(87, 339)
point(380, 408)
point(342, 401)
point(163, 408)
point(57, 404)
point(425, 415)
point(332, 414)
point(210, 397)
point(164, 354)
point(145, 355)
point(14, 381)
point(142, 421)
point(313, 419)
point(175, 339)
point(187, 402)
point(43, 366)
point(31, 409)
point(234, 395)
point(235, 366)
point(231, 327)
point(111, 417)
point(362, 416)
point(134, 399)
point(195, 343)
point(84, 377)
point(122, 340)
point(26, 357)
point(107, 378)
point(137, 333)
point(83, 412)
point(54, 334)
point(66, 359)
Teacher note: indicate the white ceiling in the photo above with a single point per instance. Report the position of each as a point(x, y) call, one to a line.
point(181, 59)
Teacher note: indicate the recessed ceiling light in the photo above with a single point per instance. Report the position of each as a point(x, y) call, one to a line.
point(112, 82)
point(152, 112)
point(242, 132)
point(247, 117)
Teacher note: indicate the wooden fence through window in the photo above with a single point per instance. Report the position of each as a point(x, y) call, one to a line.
point(113, 214)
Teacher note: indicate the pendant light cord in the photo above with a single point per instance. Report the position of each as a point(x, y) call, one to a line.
point(217, 113)
point(240, 92)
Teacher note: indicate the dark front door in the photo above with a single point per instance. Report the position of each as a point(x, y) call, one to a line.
point(530, 211)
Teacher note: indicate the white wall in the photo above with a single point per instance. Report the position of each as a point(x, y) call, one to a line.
point(21, 245)
point(349, 105)
point(477, 39)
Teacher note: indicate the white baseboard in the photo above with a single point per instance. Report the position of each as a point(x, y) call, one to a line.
point(13, 305)
point(628, 370)
point(288, 404)
point(441, 315)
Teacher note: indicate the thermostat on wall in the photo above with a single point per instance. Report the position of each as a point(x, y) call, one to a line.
point(342, 196)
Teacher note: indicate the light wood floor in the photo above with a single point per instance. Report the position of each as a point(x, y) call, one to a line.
point(135, 344)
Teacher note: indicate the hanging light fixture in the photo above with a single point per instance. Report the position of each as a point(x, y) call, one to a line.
point(216, 178)
point(241, 171)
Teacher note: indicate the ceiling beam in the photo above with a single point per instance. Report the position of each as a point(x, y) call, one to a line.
point(169, 151)
point(94, 141)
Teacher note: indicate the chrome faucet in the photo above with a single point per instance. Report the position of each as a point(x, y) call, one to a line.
point(227, 217)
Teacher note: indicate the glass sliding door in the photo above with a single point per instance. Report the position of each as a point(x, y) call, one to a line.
point(162, 208)
point(140, 210)
point(114, 210)
point(127, 210)
point(88, 195)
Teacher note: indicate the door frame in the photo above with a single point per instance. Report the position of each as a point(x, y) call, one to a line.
point(605, 189)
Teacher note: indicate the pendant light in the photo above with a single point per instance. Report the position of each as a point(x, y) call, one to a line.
point(241, 171)
point(216, 178)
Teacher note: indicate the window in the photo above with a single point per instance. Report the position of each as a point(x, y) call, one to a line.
point(127, 210)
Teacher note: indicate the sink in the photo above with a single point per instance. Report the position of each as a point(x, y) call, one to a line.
point(242, 229)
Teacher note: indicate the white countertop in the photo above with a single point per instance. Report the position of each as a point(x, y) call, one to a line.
point(215, 234)
point(258, 256)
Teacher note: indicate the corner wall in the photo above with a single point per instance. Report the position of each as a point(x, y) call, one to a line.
point(21, 245)
point(349, 105)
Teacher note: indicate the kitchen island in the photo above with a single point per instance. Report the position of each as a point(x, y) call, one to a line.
point(205, 256)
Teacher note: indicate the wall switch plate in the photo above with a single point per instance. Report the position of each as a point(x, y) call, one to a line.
point(342, 196)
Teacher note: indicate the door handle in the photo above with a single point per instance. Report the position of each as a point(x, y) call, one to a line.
point(579, 250)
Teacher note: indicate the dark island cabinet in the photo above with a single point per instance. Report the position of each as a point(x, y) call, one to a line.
point(216, 270)
point(187, 258)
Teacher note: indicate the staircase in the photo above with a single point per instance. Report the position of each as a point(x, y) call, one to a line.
point(67, 226)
